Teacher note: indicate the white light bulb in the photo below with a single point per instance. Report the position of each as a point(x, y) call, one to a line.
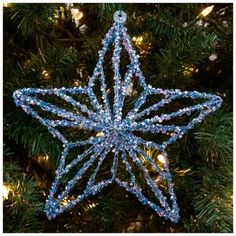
point(5, 191)
point(6, 4)
point(45, 158)
point(207, 11)
point(100, 134)
point(213, 57)
point(161, 159)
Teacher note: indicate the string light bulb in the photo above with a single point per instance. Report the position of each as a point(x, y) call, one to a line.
point(207, 11)
point(6, 4)
point(66, 200)
point(77, 15)
point(62, 11)
point(213, 57)
point(138, 40)
point(100, 134)
point(161, 158)
point(5, 191)
point(45, 74)
point(42, 159)
point(76, 83)
point(92, 205)
point(188, 70)
point(45, 158)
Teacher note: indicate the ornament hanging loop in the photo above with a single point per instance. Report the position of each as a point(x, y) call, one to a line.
point(120, 17)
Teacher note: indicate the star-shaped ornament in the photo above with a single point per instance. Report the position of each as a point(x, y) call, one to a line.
point(117, 134)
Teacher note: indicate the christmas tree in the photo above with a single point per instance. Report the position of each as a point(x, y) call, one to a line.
point(184, 46)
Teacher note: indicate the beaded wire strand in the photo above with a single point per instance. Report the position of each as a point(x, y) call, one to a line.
point(118, 133)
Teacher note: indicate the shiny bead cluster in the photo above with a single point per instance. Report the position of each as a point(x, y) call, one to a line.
point(117, 131)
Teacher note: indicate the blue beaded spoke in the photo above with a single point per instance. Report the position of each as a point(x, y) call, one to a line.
point(149, 159)
point(134, 68)
point(79, 174)
point(165, 175)
point(115, 132)
point(147, 144)
point(108, 112)
point(76, 104)
point(117, 75)
point(188, 111)
point(98, 68)
point(145, 127)
point(153, 187)
point(132, 186)
point(53, 204)
point(137, 191)
point(55, 133)
point(98, 74)
point(93, 188)
point(93, 191)
point(128, 168)
point(100, 162)
point(114, 165)
point(94, 144)
point(154, 107)
point(94, 101)
point(171, 96)
point(83, 169)
point(45, 106)
point(139, 102)
point(134, 59)
point(72, 119)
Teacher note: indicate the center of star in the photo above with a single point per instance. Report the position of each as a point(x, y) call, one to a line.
point(115, 131)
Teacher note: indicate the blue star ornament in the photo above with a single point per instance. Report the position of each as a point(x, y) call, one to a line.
point(116, 135)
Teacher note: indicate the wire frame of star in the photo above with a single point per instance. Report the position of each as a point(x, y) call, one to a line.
point(115, 135)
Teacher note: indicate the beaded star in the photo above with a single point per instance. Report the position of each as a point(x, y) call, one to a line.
point(118, 133)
